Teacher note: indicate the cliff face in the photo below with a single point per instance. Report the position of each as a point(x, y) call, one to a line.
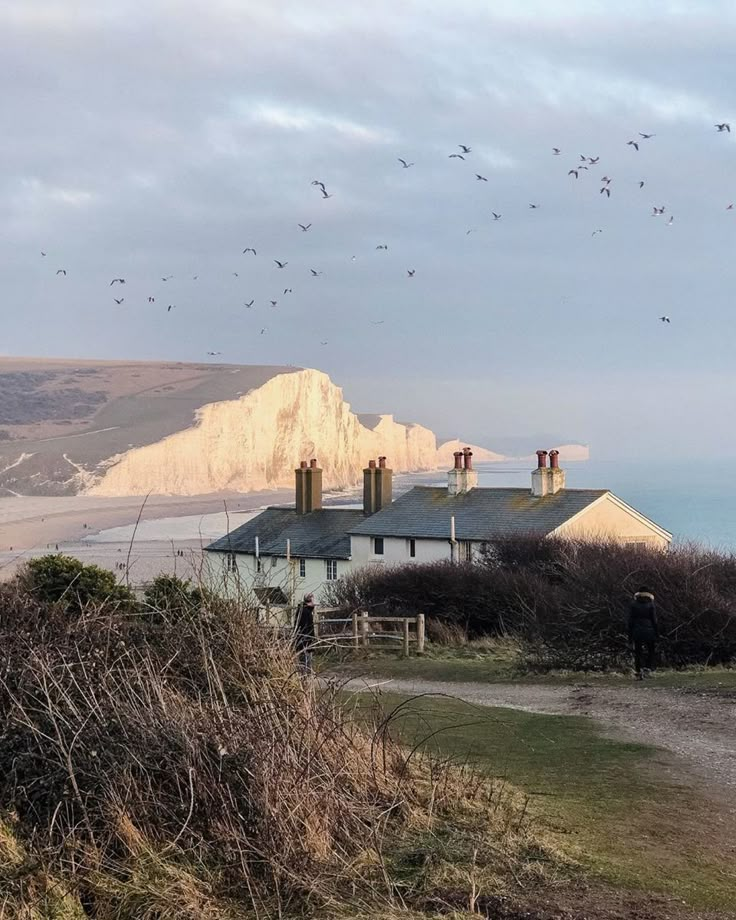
point(254, 442)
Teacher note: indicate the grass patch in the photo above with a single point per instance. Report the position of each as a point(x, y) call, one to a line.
point(607, 802)
point(488, 662)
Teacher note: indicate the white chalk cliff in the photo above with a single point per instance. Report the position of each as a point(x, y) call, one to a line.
point(254, 442)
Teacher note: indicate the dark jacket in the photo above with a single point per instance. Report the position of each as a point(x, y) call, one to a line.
point(643, 618)
point(304, 624)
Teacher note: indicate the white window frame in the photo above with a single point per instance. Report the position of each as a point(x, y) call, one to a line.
point(331, 569)
point(302, 568)
point(231, 562)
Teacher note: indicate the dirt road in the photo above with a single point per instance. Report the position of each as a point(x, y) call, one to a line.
point(699, 728)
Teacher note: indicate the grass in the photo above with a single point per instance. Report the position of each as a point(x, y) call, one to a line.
point(610, 804)
point(491, 662)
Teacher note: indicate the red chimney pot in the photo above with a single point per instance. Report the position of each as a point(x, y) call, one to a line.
point(371, 464)
point(468, 457)
point(541, 459)
point(382, 463)
point(313, 464)
point(303, 465)
point(458, 455)
point(554, 459)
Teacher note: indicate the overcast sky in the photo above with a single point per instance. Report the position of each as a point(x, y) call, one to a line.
point(147, 140)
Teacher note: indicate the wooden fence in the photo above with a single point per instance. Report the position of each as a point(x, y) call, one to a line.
point(359, 629)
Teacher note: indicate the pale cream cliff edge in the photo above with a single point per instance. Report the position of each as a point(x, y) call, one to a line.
point(447, 449)
point(253, 443)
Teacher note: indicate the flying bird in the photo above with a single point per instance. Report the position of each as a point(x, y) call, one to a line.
point(729, 207)
point(468, 232)
point(317, 182)
point(496, 216)
point(236, 274)
point(170, 307)
point(117, 281)
point(118, 301)
point(274, 303)
point(656, 212)
point(324, 194)
point(456, 156)
point(480, 178)
point(533, 205)
point(248, 304)
point(43, 253)
point(607, 190)
point(556, 151)
point(305, 227)
point(213, 353)
point(593, 160)
point(382, 246)
point(264, 331)
point(151, 299)
point(281, 264)
point(664, 319)
point(288, 291)
point(194, 277)
point(377, 322)
point(632, 144)
point(324, 343)
point(596, 231)
point(671, 220)
point(167, 278)
point(464, 148)
point(315, 273)
point(606, 180)
point(404, 163)
point(723, 126)
point(411, 272)
point(249, 249)
point(641, 183)
point(573, 172)
point(61, 271)
point(646, 136)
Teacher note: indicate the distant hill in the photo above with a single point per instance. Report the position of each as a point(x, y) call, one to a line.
point(525, 447)
point(446, 451)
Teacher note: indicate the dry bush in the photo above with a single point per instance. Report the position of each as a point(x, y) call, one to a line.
point(190, 772)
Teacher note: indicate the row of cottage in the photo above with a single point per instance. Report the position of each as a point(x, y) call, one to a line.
point(288, 551)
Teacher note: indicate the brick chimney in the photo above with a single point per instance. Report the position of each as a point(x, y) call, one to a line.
point(377, 486)
point(462, 478)
point(547, 480)
point(308, 487)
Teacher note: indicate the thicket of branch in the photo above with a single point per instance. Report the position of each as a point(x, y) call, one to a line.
point(567, 601)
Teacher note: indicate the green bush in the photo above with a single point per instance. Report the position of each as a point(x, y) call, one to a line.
point(69, 583)
point(169, 596)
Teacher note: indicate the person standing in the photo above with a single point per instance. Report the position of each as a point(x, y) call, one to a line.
point(304, 633)
point(643, 632)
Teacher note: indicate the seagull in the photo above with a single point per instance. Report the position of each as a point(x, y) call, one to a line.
point(288, 291)
point(496, 216)
point(533, 205)
point(377, 322)
point(118, 301)
point(573, 172)
point(305, 227)
point(170, 308)
point(323, 343)
point(641, 183)
point(167, 278)
point(264, 331)
point(593, 160)
point(213, 353)
point(607, 190)
point(249, 249)
point(404, 163)
point(724, 126)
point(248, 304)
point(646, 136)
point(320, 184)
point(606, 180)
point(61, 271)
point(194, 277)
point(411, 272)
point(281, 264)
point(656, 212)
point(456, 156)
point(729, 207)
point(43, 253)
point(464, 148)
point(671, 220)
point(664, 319)
point(274, 303)
point(596, 231)
point(236, 274)
point(118, 281)
point(152, 300)
point(468, 232)
point(480, 178)
point(382, 246)
point(632, 144)
point(315, 273)
point(556, 151)
point(324, 194)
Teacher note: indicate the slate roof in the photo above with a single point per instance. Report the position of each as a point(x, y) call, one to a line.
point(482, 514)
point(320, 534)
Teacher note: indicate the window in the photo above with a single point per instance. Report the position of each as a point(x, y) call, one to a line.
point(258, 565)
point(412, 548)
point(378, 546)
point(302, 568)
point(231, 562)
point(466, 551)
point(274, 560)
point(331, 569)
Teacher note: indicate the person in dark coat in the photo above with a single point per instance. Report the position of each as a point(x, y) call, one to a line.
point(643, 632)
point(304, 632)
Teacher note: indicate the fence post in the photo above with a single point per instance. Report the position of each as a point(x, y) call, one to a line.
point(315, 616)
point(355, 630)
point(364, 627)
point(420, 633)
point(406, 637)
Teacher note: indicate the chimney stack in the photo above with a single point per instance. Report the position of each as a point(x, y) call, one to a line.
point(463, 477)
point(547, 480)
point(377, 486)
point(308, 487)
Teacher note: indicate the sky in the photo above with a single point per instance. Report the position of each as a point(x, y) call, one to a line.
point(159, 140)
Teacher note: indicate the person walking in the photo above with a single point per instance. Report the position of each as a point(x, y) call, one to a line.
point(304, 633)
point(643, 632)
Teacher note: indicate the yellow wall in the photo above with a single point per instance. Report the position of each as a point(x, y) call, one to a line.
point(608, 520)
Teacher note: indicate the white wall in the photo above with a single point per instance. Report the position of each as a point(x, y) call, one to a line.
point(396, 551)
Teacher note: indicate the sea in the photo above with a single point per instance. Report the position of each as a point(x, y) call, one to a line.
point(692, 499)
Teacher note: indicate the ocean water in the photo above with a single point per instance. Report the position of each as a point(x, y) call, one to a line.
point(692, 499)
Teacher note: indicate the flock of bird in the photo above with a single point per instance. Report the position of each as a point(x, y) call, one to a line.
point(585, 164)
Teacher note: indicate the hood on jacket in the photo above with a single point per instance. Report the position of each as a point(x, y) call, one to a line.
point(643, 597)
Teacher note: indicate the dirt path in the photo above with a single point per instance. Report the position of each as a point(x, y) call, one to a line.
point(698, 727)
